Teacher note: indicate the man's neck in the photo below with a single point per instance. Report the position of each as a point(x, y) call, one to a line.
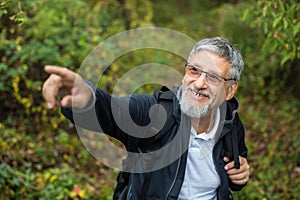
point(204, 124)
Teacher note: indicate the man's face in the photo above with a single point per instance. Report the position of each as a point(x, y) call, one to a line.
point(200, 94)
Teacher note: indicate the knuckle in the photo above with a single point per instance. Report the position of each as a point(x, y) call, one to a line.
point(65, 70)
point(54, 79)
point(240, 177)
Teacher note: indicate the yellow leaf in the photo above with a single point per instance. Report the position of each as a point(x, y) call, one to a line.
point(19, 47)
point(81, 194)
point(3, 59)
point(73, 194)
point(77, 191)
point(52, 178)
point(3, 144)
point(40, 180)
point(115, 68)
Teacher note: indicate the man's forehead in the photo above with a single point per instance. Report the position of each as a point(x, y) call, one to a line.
point(210, 61)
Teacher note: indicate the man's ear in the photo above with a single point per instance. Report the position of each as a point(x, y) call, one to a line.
point(231, 90)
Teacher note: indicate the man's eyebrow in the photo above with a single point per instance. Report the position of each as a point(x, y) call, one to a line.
point(206, 70)
point(197, 65)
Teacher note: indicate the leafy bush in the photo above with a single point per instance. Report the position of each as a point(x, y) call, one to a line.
point(39, 159)
point(42, 158)
point(277, 66)
point(52, 165)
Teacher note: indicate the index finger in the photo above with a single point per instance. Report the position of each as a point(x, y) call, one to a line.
point(229, 165)
point(63, 72)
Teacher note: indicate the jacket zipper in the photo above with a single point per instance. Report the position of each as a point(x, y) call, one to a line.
point(177, 171)
point(173, 183)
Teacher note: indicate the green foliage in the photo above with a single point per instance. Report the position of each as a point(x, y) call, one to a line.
point(53, 183)
point(279, 21)
point(42, 159)
point(273, 150)
point(34, 143)
point(278, 63)
point(52, 165)
point(36, 33)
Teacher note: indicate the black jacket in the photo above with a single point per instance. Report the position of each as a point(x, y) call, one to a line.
point(110, 115)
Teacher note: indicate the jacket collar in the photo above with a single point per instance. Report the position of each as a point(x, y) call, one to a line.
point(232, 107)
point(228, 113)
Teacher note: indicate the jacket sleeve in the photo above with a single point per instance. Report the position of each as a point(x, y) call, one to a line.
point(243, 151)
point(89, 118)
point(110, 115)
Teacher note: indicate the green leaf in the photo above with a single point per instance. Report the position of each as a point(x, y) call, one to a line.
point(245, 14)
point(285, 59)
point(296, 29)
point(264, 12)
point(285, 23)
point(277, 21)
point(280, 5)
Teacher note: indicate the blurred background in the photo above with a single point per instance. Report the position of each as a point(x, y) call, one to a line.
point(41, 155)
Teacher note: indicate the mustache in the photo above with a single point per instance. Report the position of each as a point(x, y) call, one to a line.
point(198, 91)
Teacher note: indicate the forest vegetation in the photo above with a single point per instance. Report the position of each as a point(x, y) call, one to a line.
point(41, 154)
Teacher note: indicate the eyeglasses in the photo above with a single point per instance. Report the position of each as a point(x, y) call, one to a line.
point(196, 72)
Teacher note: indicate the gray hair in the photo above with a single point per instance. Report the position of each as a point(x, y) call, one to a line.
point(224, 49)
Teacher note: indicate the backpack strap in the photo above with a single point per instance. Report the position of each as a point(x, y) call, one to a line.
point(230, 142)
point(235, 146)
point(164, 97)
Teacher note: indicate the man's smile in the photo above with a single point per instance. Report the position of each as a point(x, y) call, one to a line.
point(199, 94)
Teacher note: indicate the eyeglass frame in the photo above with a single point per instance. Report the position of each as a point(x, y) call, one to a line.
point(219, 77)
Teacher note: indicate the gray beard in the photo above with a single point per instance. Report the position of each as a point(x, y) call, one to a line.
point(192, 111)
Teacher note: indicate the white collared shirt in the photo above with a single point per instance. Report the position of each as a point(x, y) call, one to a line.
point(201, 179)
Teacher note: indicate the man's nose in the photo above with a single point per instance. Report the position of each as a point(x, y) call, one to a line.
point(200, 82)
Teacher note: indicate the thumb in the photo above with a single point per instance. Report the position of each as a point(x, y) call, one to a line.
point(226, 159)
point(66, 101)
